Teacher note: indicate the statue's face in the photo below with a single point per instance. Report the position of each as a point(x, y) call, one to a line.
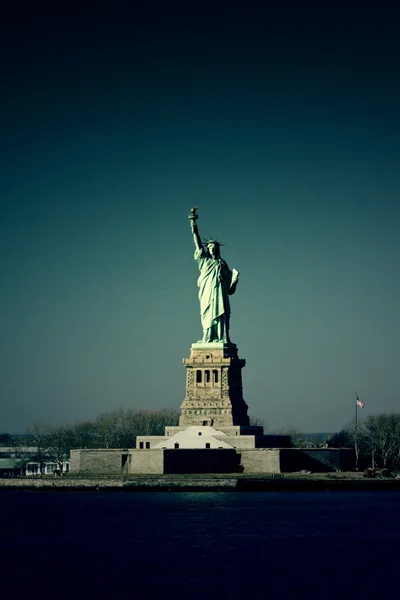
point(213, 250)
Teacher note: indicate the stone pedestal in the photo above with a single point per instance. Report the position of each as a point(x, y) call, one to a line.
point(214, 392)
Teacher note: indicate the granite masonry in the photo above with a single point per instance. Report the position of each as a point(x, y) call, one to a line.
point(214, 390)
point(214, 434)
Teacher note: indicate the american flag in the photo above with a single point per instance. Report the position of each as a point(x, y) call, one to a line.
point(358, 402)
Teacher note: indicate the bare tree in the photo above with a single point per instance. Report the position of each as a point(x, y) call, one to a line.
point(107, 426)
point(21, 454)
point(258, 422)
point(341, 439)
point(116, 429)
point(381, 433)
point(377, 437)
point(159, 419)
point(396, 452)
point(298, 437)
point(38, 436)
point(59, 445)
point(84, 434)
point(145, 422)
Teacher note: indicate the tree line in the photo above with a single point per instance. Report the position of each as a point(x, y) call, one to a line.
point(116, 429)
point(376, 440)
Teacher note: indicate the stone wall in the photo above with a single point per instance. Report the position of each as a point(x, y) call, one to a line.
point(99, 461)
point(256, 460)
point(316, 460)
point(292, 460)
point(260, 460)
point(240, 441)
point(75, 461)
point(146, 461)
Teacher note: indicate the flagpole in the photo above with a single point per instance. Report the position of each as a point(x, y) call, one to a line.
point(356, 433)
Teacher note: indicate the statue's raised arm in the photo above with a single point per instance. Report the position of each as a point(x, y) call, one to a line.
point(193, 225)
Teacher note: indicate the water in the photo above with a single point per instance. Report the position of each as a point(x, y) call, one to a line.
point(201, 545)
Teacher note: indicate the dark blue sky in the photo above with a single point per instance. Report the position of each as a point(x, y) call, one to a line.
point(284, 130)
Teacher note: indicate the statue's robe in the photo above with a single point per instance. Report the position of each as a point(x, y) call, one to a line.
point(214, 283)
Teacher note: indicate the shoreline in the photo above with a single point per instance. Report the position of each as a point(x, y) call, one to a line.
point(207, 483)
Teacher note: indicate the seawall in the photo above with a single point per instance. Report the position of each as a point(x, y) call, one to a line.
point(231, 483)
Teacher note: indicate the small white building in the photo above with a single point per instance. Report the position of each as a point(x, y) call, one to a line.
point(48, 468)
point(23, 461)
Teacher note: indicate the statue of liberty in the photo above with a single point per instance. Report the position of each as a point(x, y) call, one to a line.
point(216, 283)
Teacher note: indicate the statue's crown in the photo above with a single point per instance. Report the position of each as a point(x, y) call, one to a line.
point(212, 241)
